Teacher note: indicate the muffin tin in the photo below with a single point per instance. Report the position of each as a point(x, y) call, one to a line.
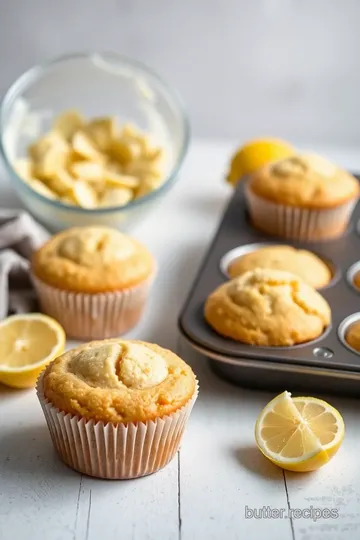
point(326, 364)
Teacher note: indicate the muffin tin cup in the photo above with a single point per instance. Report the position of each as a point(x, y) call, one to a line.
point(94, 316)
point(115, 451)
point(326, 364)
point(344, 326)
point(298, 223)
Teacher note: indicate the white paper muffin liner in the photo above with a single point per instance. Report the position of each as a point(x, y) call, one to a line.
point(115, 451)
point(94, 316)
point(298, 223)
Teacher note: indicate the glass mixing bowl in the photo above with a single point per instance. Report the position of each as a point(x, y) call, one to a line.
point(97, 84)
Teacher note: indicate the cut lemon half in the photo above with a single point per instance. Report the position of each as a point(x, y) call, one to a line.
point(27, 344)
point(256, 154)
point(299, 434)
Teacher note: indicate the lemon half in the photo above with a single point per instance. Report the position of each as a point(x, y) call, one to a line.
point(299, 434)
point(254, 155)
point(27, 344)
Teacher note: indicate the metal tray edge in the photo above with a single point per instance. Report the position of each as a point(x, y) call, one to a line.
point(268, 364)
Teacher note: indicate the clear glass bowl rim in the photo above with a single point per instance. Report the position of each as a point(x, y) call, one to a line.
point(31, 75)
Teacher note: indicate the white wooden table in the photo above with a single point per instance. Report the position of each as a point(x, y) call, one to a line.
point(218, 473)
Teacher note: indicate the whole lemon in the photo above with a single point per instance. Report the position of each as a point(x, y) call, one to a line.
point(254, 155)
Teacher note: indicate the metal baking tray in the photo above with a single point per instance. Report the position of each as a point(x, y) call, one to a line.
point(326, 364)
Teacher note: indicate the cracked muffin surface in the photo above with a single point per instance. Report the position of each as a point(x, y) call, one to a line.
point(119, 381)
point(267, 307)
point(92, 260)
point(306, 181)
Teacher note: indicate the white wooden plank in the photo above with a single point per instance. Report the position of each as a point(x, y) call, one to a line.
point(222, 472)
point(336, 486)
point(135, 509)
point(38, 494)
point(41, 497)
point(46, 498)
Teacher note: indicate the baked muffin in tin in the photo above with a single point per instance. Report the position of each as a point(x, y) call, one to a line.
point(268, 308)
point(305, 264)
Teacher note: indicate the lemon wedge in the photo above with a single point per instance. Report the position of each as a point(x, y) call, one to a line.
point(27, 344)
point(256, 154)
point(299, 434)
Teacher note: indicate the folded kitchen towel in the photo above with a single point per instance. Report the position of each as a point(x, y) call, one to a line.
point(20, 236)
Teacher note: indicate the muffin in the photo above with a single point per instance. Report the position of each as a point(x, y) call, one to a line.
point(268, 308)
point(304, 264)
point(94, 280)
point(115, 408)
point(356, 280)
point(303, 197)
point(352, 336)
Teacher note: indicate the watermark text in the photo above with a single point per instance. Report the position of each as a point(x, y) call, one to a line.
point(268, 512)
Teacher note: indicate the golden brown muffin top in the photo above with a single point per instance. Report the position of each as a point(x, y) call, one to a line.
point(305, 180)
point(92, 260)
point(119, 381)
point(306, 265)
point(267, 307)
point(352, 336)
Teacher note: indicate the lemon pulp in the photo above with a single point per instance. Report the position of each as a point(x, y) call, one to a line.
point(299, 434)
point(27, 343)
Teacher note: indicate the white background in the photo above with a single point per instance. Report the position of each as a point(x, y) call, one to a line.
point(245, 68)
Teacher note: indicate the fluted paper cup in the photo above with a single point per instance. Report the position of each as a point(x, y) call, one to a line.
point(115, 451)
point(298, 223)
point(94, 316)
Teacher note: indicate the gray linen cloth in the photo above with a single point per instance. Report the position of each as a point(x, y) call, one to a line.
point(20, 236)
